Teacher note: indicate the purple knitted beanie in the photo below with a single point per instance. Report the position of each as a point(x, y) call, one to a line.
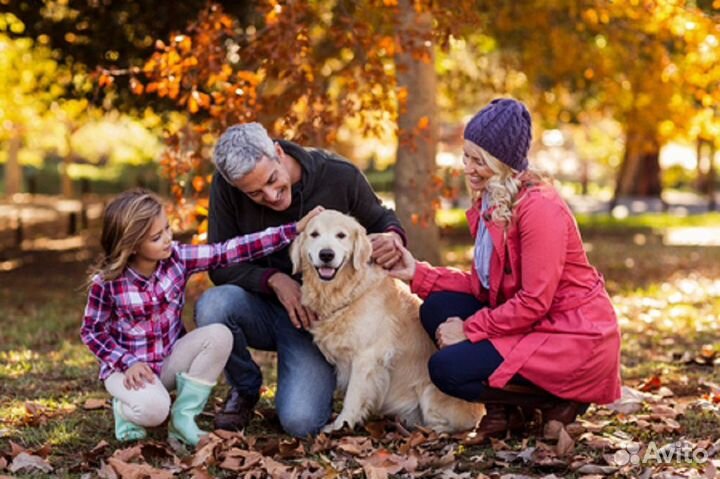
point(503, 129)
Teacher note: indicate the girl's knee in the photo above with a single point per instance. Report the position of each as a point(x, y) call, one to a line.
point(222, 339)
point(149, 413)
point(218, 338)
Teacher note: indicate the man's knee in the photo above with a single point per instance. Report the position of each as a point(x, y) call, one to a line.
point(218, 304)
point(301, 422)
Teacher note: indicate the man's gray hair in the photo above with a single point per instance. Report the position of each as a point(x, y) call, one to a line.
point(240, 148)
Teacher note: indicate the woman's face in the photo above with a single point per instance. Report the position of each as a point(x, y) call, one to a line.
point(476, 169)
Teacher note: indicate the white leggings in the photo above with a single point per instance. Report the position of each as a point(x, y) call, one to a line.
point(201, 354)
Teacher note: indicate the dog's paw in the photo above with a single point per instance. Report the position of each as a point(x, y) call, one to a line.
point(339, 423)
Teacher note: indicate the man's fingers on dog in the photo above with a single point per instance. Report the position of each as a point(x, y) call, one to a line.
point(304, 317)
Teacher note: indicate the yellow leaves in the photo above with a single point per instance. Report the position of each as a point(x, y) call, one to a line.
point(590, 16)
point(198, 183)
point(136, 87)
point(273, 16)
point(105, 79)
point(402, 95)
point(387, 45)
point(198, 100)
point(184, 43)
point(249, 77)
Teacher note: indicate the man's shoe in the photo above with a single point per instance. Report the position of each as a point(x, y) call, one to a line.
point(237, 412)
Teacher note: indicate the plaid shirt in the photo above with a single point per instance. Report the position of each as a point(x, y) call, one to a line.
point(135, 319)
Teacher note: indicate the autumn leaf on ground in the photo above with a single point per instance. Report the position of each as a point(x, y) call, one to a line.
point(92, 404)
point(29, 463)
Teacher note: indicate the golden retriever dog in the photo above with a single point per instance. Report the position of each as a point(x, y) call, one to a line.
point(369, 328)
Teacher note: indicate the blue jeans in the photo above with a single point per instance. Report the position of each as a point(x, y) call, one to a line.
point(461, 370)
point(306, 381)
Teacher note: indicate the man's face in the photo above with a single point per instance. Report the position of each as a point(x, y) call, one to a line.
point(268, 184)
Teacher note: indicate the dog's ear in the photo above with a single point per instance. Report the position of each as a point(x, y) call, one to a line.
point(296, 253)
point(362, 248)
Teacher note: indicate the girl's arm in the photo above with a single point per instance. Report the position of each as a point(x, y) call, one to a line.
point(236, 250)
point(95, 332)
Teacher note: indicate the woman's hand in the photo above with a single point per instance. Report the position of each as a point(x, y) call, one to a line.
point(137, 375)
point(404, 268)
point(306, 219)
point(450, 332)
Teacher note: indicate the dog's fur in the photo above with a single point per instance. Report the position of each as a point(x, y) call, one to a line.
point(369, 328)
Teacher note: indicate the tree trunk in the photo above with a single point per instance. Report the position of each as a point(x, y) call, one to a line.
point(706, 174)
point(639, 174)
point(416, 189)
point(65, 180)
point(13, 170)
point(711, 179)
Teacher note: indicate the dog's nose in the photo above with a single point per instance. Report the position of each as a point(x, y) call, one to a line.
point(326, 255)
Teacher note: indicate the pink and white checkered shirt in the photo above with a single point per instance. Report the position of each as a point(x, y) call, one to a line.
point(138, 319)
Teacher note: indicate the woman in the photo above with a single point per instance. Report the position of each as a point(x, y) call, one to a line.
point(530, 328)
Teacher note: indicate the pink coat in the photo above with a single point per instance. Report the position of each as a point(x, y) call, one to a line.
point(549, 317)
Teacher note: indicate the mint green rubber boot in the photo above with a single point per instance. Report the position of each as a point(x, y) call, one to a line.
point(192, 395)
point(124, 429)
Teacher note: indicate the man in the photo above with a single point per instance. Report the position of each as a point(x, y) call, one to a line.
point(258, 184)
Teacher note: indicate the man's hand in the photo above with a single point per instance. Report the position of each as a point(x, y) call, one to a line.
point(137, 375)
point(450, 332)
point(405, 268)
point(385, 248)
point(288, 292)
point(302, 224)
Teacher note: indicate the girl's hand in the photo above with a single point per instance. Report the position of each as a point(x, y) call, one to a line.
point(450, 332)
point(404, 268)
point(306, 219)
point(137, 375)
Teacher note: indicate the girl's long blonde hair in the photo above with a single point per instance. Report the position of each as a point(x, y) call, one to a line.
point(127, 220)
point(503, 187)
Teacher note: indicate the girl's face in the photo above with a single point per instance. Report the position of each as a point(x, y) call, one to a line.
point(476, 170)
point(157, 245)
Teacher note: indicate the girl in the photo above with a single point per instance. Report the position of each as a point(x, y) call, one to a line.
point(133, 324)
point(530, 327)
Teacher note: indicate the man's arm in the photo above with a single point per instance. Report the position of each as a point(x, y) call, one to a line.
point(222, 227)
point(367, 208)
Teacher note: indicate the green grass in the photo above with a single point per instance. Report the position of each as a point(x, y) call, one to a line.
point(454, 219)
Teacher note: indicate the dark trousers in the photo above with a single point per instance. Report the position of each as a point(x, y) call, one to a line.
point(461, 370)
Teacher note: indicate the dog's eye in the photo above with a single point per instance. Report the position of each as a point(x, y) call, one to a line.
point(314, 234)
point(340, 235)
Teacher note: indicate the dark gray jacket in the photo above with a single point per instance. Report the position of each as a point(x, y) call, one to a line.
point(327, 179)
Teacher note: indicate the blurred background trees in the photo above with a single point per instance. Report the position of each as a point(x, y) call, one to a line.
point(97, 89)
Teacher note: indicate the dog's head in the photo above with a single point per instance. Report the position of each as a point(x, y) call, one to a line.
point(329, 243)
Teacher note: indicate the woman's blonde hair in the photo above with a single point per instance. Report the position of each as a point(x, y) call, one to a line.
point(127, 220)
point(505, 184)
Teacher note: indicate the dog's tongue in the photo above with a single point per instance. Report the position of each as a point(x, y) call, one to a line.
point(326, 272)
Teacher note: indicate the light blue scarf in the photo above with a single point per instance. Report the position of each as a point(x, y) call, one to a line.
point(483, 247)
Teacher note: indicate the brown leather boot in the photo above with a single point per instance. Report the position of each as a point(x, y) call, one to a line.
point(499, 419)
point(550, 407)
point(563, 410)
point(237, 412)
